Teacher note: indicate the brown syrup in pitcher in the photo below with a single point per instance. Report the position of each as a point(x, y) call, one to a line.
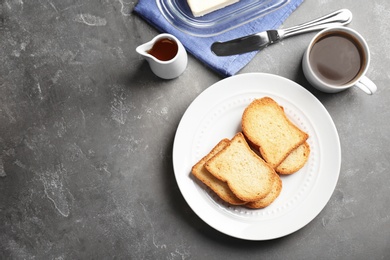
point(337, 58)
point(164, 49)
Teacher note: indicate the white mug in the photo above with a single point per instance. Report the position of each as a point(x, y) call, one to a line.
point(166, 56)
point(336, 59)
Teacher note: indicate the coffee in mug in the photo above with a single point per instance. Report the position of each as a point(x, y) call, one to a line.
point(337, 59)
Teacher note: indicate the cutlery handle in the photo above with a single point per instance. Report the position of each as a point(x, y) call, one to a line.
point(340, 17)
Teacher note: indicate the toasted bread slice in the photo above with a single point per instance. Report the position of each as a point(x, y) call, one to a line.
point(271, 197)
point(216, 185)
point(265, 124)
point(247, 175)
point(295, 160)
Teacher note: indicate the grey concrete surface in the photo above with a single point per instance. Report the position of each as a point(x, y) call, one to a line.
point(86, 135)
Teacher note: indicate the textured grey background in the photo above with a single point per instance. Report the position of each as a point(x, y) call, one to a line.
point(86, 134)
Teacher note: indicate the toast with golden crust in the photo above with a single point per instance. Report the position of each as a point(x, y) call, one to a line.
point(248, 176)
point(295, 160)
point(265, 125)
point(219, 187)
point(271, 196)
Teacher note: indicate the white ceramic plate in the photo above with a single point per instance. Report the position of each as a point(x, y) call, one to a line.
point(216, 114)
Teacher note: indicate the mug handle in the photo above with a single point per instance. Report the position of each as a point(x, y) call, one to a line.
point(366, 85)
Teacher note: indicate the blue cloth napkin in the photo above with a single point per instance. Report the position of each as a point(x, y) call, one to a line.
point(199, 47)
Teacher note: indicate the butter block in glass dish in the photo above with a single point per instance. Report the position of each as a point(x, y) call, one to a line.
point(198, 18)
point(202, 7)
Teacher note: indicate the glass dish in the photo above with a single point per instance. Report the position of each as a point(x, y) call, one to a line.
point(179, 14)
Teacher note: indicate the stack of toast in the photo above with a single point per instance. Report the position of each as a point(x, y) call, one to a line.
point(246, 169)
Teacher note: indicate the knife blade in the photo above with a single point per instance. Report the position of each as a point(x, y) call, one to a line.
point(259, 41)
point(245, 44)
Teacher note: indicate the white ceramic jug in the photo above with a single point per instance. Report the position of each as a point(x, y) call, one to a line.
point(166, 56)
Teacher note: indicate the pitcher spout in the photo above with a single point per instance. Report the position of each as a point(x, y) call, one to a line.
point(144, 48)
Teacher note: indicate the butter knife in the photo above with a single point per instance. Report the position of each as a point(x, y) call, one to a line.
point(259, 41)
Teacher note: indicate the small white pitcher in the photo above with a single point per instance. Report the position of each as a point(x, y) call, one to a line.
point(166, 69)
